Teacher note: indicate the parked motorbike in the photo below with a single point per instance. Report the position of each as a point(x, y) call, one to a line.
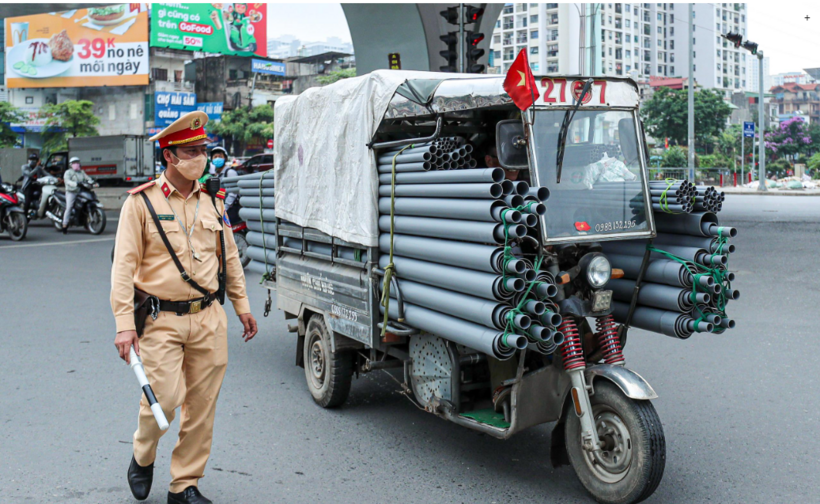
point(87, 212)
point(12, 217)
point(240, 229)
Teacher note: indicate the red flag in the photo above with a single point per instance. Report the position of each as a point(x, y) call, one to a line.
point(520, 84)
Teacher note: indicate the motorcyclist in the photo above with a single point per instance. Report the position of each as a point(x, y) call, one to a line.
point(34, 170)
point(219, 161)
point(73, 177)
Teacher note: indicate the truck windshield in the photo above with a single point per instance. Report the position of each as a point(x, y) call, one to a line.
point(601, 189)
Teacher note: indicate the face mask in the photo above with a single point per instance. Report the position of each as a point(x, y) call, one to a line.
point(218, 162)
point(191, 169)
point(32, 163)
point(75, 166)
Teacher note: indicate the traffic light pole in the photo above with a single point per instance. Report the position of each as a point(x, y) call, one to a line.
point(691, 96)
point(461, 38)
point(761, 184)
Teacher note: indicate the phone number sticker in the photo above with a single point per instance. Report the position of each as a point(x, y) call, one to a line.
point(615, 226)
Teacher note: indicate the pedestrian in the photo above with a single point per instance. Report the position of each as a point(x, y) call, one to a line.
point(73, 177)
point(183, 346)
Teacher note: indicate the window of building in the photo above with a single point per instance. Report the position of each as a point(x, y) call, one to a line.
point(618, 54)
point(660, 30)
point(672, 69)
point(694, 41)
point(635, 40)
point(672, 17)
point(552, 68)
point(534, 18)
point(177, 75)
point(534, 67)
point(509, 53)
point(610, 51)
point(159, 74)
point(496, 39)
point(672, 30)
point(552, 51)
point(497, 55)
point(671, 44)
point(508, 9)
point(534, 34)
point(628, 54)
point(742, 18)
point(498, 24)
point(672, 58)
point(660, 17)
point(635, 12)
point(660, 43)
point(610, 35)
point(534, 50)
point(626, 23)
point(609, 21)
point(628, 68)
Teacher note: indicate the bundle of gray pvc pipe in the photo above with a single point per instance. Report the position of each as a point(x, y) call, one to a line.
point(686, 285)
point(256, 196)
point(451, 221)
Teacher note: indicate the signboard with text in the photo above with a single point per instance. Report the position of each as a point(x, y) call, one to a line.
point(213, 109)
point(237, 29)
point(748, 129)
point(98, 46)
point(268, 67)
point(170, 106)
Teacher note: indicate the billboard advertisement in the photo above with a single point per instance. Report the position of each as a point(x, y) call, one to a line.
point(98, 46)
point(237, 29)
point(170, 106)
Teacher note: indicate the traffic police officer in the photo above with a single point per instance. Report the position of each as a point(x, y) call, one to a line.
point(184, 349)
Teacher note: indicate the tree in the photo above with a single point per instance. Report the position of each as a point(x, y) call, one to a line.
point(790, 138)
point(675, 157)
point(242, 125)
point(9, 114)
point(666, 115)
point(336, 75)
point(74, 118)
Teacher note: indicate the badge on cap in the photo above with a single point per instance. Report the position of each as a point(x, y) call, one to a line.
point(196, 123)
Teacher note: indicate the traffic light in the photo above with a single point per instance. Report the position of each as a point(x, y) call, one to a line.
point(451, 54)
point(450, 15)
point(750, 46)
point(472, 14)
point(734, 38)
point(474, 53)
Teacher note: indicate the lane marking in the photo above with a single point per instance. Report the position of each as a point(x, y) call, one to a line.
point(91, 240)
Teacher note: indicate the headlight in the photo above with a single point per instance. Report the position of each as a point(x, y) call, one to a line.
point(598, 271)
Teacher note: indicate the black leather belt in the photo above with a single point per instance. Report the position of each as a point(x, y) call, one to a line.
point(186, 307)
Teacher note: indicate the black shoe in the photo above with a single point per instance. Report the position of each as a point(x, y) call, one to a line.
point(140, 478)
point(65, 229)
point(190, 495)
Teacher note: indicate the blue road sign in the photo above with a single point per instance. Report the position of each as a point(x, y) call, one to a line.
point(749, 129)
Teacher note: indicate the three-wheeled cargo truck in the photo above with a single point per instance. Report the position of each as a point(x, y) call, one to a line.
point(426, 225)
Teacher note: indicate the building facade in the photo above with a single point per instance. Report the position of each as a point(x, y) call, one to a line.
point(624, 39)
point(791, 77)
point(753, 81)
point(798, 99)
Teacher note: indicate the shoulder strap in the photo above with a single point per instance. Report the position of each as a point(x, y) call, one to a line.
point(162, 235)
point(222, 275)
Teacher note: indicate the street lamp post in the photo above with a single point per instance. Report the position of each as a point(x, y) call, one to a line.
point(761, 178)
point(691, 96)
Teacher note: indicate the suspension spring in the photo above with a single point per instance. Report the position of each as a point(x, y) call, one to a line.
point(571, 351)
point(608, 340)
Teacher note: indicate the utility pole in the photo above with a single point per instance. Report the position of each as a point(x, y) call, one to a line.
point(691, 95)
point(461, 38)
point(761, 184)
point(742, 156)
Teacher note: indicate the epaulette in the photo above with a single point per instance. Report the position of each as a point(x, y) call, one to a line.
point(219, 194)
point(142, 187)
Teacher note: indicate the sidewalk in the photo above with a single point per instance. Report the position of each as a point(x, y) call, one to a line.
point(770, 192)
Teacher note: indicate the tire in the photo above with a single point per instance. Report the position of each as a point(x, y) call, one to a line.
point(16, 225)
point(637, 428)
point(328, 374)
point(95, 221)
point(242, 247)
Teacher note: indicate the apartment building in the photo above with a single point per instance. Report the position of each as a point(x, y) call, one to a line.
point(624, 39)
point(753, 79)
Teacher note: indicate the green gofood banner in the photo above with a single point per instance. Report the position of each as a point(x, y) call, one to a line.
point(238, 29)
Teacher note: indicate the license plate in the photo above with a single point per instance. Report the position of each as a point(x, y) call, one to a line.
point(601, 300)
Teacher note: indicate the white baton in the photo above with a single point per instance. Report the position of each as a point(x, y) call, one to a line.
point(139, 370)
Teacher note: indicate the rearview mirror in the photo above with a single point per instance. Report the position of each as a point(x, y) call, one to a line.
point(511, 144)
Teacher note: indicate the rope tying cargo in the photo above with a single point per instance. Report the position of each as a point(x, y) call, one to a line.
point(663, 200)
point(266, 275)
point(390, 268)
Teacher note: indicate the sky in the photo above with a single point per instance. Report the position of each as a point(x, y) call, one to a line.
point(778, 26)
point(307, 22)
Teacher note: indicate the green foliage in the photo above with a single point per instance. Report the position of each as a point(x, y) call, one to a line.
point(666, 115)
point(714, 161)
point(72, 118)
point(336, 76)
point(814, 162)
point(675, 157)
point(9, 114)
point(779, 166)
point(243, 125)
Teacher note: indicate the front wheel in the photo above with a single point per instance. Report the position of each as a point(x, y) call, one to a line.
point(17, 225)
point(242, 248)
point(95, 221)
point(630, 465)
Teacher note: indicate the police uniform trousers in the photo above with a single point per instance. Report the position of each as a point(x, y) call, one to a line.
point(185, 357)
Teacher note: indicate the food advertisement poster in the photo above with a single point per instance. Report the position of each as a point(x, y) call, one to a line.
point(237, 29)
point(98, 46)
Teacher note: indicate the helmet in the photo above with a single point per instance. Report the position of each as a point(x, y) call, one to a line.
point(73, 160)
point(33, 156)
point(219, 149)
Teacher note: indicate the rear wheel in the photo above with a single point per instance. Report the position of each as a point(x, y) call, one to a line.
point(17, 225)
point(630, 465)
point(242, 247)
point(328, 374)
point(95, 221)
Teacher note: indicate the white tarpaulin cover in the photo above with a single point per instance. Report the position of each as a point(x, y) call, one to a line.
point(325, 175)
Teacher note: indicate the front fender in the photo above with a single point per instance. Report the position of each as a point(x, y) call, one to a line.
point(631, 383)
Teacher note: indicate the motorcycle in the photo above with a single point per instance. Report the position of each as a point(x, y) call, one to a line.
point(87, 212)
point(12, 217)
point(35, 191)
point(241, 36)
point(240, 229)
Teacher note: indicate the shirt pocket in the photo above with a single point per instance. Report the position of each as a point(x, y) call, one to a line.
point(209, 233)
point(172, 232)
